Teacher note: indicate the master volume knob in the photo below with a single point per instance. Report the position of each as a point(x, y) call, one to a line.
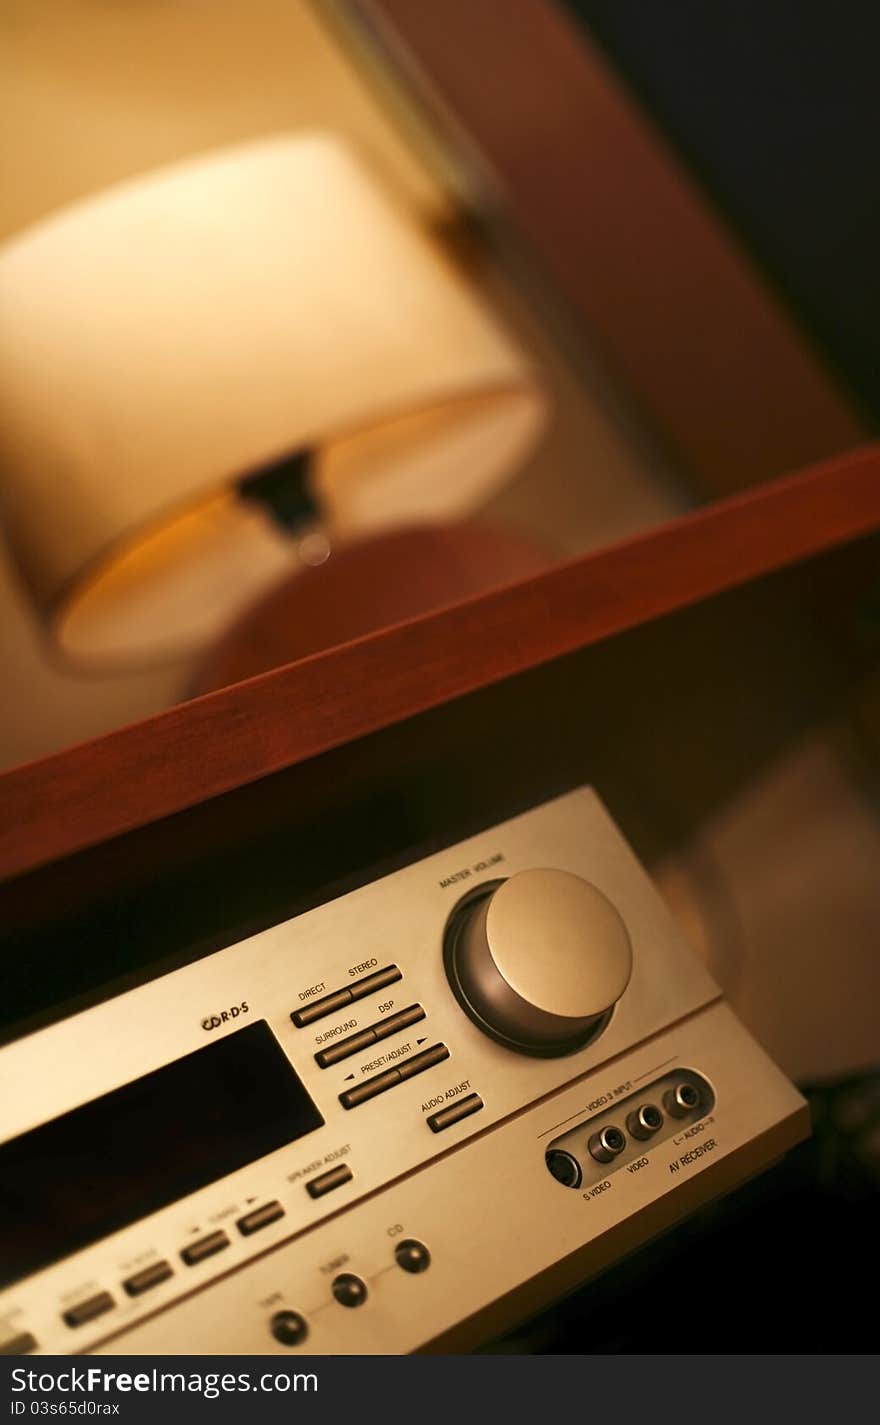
point(538, 961)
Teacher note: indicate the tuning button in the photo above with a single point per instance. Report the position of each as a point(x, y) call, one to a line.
point(538, 961)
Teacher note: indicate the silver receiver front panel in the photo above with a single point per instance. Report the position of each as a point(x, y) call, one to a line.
point(424, 1214)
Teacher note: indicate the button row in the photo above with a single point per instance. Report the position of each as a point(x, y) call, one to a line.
point(389, 1078)
point(288, 1327)
point(192, 1254)
point(364, 1038)
point(329, 1004)
point(291, 1328)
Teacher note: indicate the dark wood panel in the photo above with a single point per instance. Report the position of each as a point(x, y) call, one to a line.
point(199, 750)
point(668, 720)
point(685, 321)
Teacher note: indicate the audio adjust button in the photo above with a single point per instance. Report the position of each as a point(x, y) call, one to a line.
point(321, 1007)
point(426, 1060)
point(19, 1345)
point(377, 981)
point(205, 1247)
point(260, 1217)
point(362, 1093)
point(328, 1181)
point(150, 1276)
point(455, 1113)
point(87, 1310)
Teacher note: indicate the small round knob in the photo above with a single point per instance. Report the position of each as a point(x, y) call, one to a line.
point(412, 1256)
point(289, 1328)
point(349, 1290)
point(538, 961)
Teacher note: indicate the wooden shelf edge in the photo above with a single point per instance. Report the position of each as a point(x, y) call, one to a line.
point(197, 750)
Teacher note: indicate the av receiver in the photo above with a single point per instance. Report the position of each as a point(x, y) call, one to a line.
point(403, 1120)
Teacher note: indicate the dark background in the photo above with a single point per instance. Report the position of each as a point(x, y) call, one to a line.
point(774, 106)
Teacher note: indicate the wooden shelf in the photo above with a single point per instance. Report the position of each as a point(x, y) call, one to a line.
point(199, 750)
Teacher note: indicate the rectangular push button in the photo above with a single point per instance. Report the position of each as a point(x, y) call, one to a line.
point(344, 1048)
point(426, 1060)
point(395, 1022)
point(20, 1345)
point(328, 1181)
point(260, 1217)
point(361, 1093)
point(377, 981)
point(321, 1007)
point(150, 1276)
point(87, 1310)
point(205, 1247)
point(455, 1113)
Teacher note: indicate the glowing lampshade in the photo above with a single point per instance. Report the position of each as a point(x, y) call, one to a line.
point(166, 347)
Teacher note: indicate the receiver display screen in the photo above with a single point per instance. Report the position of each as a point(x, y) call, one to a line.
point(136, 1149)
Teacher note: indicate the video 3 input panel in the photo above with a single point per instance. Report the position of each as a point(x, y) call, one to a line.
point(629, 1127)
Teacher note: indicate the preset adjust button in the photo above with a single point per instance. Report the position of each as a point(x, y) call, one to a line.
point(463, 1108)
point(370, 1088)
point(361, 1093)
point(328, 1181)
point(426, 1060)
point(148, 1278)
point(87, 1310)
point(205, 1247)
point(260, 1217)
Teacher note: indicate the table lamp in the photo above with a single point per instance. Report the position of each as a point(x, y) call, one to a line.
point(218, 369)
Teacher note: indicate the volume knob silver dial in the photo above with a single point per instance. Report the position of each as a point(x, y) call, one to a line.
point(538, 961)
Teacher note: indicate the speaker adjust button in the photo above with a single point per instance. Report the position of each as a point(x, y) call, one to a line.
point(327, 1182)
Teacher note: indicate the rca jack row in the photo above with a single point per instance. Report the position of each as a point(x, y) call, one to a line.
point(608, 1143)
